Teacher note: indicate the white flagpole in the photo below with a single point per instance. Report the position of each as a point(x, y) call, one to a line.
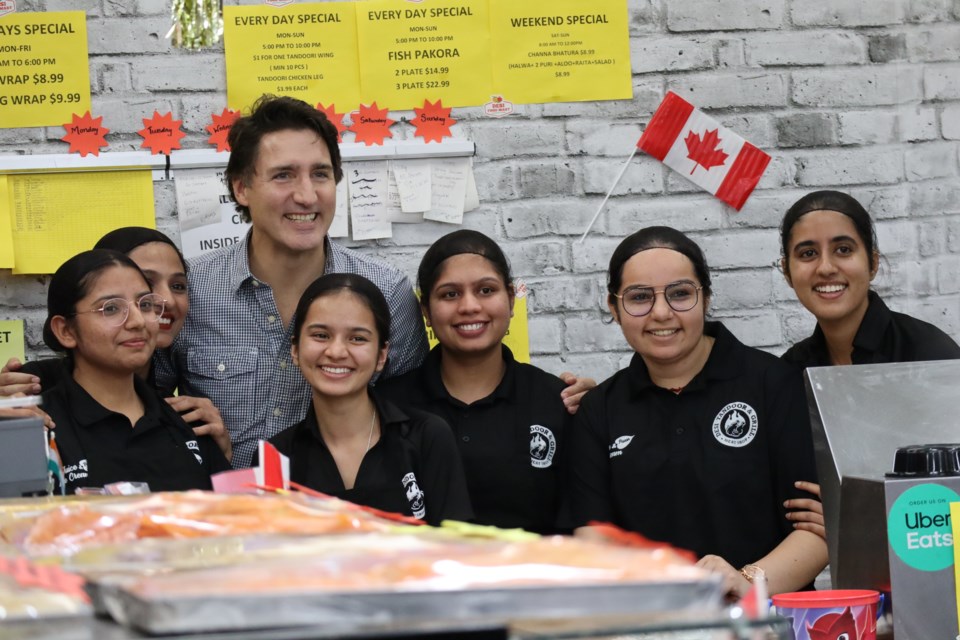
point(623, 170)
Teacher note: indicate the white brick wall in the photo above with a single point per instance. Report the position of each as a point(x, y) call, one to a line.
point(861, 95)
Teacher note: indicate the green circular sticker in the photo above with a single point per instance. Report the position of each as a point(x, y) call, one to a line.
point(918, 527)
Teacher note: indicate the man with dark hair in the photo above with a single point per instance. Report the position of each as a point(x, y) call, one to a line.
point(235, 345)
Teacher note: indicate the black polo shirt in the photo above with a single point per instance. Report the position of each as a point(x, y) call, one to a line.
point(413, 468)
point(98, 446)
point(510, 441)
point(706, 470)
point(883, 336)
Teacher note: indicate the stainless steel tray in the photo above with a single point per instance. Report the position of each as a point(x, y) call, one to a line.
point(345, 612)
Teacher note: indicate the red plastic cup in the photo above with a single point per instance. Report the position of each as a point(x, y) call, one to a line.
point(818, 615)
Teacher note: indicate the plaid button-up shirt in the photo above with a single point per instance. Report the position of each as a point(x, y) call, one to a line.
point(235, 350)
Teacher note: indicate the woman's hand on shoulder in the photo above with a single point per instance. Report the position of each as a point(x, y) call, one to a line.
point(807, 514)
point(195, 409)
point(577, 387)
point(29, 412)
point(13, 381)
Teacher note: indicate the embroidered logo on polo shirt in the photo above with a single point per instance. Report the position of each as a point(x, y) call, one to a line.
point(414, 496)
point(543, 445)
point(616, 449)
point(193, 446)
point(735, 425)
point(75, 472)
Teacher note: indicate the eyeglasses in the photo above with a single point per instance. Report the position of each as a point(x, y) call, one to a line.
point(680, 296)
point(116, 310)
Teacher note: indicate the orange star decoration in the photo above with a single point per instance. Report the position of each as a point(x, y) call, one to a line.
point(433, 122)
point(85, 134)
point(161, 133)
point(221, 128)
point(705, 152)
point(334, 117)
point(371, 125)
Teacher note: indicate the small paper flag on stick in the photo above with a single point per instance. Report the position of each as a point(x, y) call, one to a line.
point(705, 152)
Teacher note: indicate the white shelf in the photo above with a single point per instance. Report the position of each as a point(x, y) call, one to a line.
point(211, 158)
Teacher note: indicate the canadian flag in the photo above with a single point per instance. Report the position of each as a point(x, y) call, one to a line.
point(696, 146)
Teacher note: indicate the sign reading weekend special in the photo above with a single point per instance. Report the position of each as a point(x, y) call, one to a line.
point(307, 50)
point(560, 50)
point(434, 49)
point(44, 75)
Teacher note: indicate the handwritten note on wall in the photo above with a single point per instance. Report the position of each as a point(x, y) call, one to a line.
point(368, 200)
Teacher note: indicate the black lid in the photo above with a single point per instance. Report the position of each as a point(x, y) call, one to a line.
point(927, 460)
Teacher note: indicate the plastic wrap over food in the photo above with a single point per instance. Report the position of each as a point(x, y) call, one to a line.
point(457, 580)
point(454, 565)
point(195, 514)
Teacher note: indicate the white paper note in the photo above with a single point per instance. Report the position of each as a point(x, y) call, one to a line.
point(198, 197)
point(472, 199)
point(413, 182)
point(368, 200)
point(448, 181)
point(340, 227)
point(226, 227)
point(395, 211)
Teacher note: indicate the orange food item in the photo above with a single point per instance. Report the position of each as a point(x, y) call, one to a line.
point(191, 515)
point(555, 561)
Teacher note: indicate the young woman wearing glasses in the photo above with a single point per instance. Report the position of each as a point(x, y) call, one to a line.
point(699, 441)
point(166, 271)
point(111, 425)
point(829, 257)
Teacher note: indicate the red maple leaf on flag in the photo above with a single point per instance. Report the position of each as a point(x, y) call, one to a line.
point(705, 152)
point(433, 122)
point(334, 117)
point(85, 134)
point(161, 133)
point(371, 125)
point(220, 128)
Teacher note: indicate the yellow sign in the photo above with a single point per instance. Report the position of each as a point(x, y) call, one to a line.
point(44, 75)
point(54, 216)
point(6, 231)
point(518, 336)
point(11, 340)
point(308, 51)
point(560, 50)
point(438, 49)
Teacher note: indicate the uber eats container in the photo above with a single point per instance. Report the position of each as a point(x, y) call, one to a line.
point(925, 480)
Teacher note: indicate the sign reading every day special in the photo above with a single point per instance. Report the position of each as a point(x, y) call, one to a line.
point(308, 51)
point(44, 75)
point(412, 51)
point(399, 53)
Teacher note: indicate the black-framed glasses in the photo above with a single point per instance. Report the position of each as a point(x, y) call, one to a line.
point(116, 310)
point(680, 296)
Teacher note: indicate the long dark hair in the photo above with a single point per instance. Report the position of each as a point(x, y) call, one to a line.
point(126, 239)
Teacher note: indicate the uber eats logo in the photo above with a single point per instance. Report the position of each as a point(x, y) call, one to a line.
point(919, 527)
